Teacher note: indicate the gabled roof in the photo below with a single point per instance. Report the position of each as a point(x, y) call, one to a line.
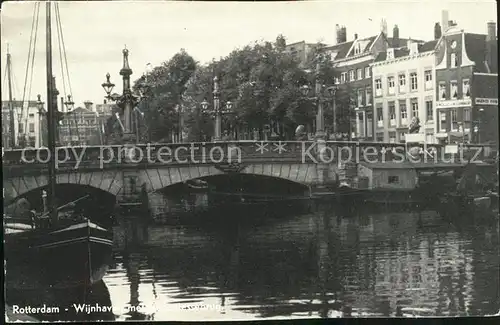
point(346, 49)
point(404, 51)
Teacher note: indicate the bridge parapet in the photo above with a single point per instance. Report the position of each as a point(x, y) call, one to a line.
point(240, 152)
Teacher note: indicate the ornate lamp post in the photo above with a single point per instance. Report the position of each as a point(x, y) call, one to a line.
point(322, 95)
point(127, 101)
point(217, 111)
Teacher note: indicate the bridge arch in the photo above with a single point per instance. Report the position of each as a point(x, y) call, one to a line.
point(162, 177)
point(19, 186)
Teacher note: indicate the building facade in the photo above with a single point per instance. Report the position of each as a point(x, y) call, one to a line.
point(467, 86)
point(30, 124)
point(404, 91)
point(81, 127)
point(352, 60)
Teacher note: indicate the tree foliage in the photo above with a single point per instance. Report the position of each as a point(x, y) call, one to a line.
point(262, 80)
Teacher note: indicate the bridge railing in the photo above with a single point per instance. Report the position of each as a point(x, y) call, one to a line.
point(244, 151)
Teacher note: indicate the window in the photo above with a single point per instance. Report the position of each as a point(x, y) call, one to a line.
point(367, 72)
point(454, 118)
point(392, 113)
point(391, 85)
point(392, 137)
point(428, 79)
point(360, 126)
point(428, 110)
point(402, 83)
point(403, 113)
point(352, 77)
point(467, 116)
point(380, 117)
point(393, 180)
point(359, 72)
point(357, 49)
point(413, 81)
point(414, 108)
point(360, 97)
point(380, 136)
point(20, 127)
point(466, 88)
point(442, 90)
point(453, 89)
point(378, 87)
point(32, 127)
point(368, 96)
point(343, 77)
point(453, 60)
point(32, 115)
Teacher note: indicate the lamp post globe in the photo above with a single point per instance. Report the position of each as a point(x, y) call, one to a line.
point(69, 104)
point(108, 85)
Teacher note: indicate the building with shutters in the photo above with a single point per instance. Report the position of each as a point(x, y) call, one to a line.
point(467, 85)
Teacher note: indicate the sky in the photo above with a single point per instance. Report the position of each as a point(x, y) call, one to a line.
point(96, 32)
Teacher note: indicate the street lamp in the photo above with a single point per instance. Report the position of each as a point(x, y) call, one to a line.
point(108, 86)
point(321, 96)
point(217, 111)
point(69, 104)
point(127, 101)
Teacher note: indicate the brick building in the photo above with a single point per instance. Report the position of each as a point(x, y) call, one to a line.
point(467, 85)
point(403, 80)
point(352, 59)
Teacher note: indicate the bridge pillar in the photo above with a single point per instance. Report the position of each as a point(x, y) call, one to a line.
point(324, 176)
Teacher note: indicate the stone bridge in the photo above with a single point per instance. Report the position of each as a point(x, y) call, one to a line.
point(157, 166)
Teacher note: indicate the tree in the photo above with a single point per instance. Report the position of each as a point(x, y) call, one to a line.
point(166, 85)
point(262, 80)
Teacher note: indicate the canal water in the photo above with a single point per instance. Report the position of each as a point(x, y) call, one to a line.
point(314, 264)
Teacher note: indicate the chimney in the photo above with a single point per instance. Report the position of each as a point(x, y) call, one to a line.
point(492, 33)
point(395, 36)
point(383, 26)
point(492, 47)
point(452, 23)
point(341, 34)
point(88, 105)
point(408, 43)
point(437, 31)
point(355, 35)
point(444, 20)
point(105, 102)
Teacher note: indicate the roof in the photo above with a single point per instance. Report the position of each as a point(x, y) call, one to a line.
point(80, 110)
point(402, 52)
point(342, 49)
point(475, 46)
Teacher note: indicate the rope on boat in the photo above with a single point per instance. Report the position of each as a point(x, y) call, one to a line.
point(31, 55)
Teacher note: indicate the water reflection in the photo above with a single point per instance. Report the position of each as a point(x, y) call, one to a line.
point(312, 265)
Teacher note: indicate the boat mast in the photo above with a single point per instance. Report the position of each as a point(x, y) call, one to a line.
point(11, 104)
point(51, 120)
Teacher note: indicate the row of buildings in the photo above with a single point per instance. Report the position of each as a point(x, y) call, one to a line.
point(449, 84)
point(79, 126)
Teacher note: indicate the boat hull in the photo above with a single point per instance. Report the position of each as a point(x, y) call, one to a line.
point(77, 255)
